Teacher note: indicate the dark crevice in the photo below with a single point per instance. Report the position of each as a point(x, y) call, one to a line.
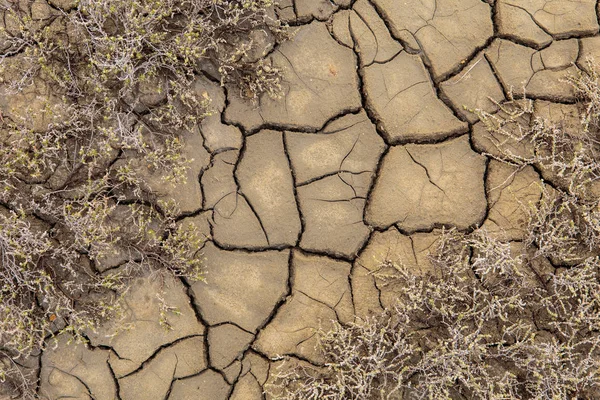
point(356, 44)
point(570, 100)
point(156, 353)
point(116, 380)
point(190, 214)
point(231, 323)
point(37, 383)
point(329, 253)
point(488, 205)
point(294, 188)
point(257, 216)
point(386, 20)
point(435, 83)
point(432, 228)
point(350, 199)
point(330, 29)
point(522, 42)
point(291, 356)
point(282, 300)
point(349, 279)
point(371, 114)
point(376, 175)
point(424, 167)
point(295, 128)
point(497, 76)
point(168, 393)
point(439, 138)
point(328, 175)
point(240, 192)
point(89, 344)
point(189, 291)
point(253, 249)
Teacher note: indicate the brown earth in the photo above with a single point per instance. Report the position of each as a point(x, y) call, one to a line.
point(369, 153)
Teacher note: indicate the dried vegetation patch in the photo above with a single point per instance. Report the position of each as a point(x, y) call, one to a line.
point(493, 319)
point(97, 94)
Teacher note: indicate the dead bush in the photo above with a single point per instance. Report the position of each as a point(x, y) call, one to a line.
point(101, 87)
point(485, 325)
point(492, 320)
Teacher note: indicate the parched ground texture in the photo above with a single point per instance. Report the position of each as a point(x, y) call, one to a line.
point(371, 150)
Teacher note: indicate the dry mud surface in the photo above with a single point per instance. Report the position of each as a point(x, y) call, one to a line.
point(371, 150)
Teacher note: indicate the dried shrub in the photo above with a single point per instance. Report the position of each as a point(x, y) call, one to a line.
point(492, 319)
point(486, 325)
point(104, 93)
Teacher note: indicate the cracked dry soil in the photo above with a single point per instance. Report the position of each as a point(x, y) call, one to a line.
point(370, 152)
